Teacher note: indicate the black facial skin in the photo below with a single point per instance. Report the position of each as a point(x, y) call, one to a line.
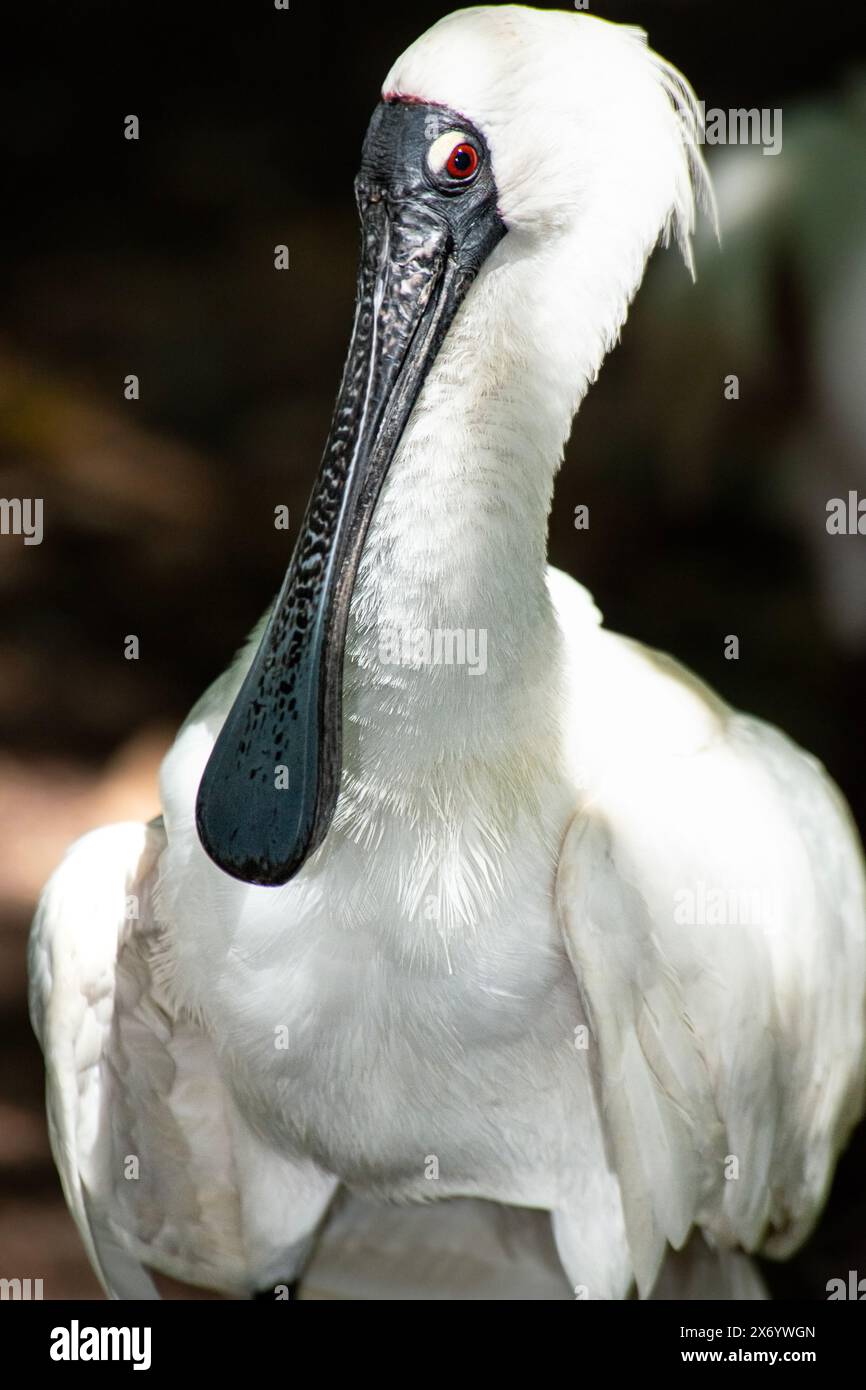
point(424, 237)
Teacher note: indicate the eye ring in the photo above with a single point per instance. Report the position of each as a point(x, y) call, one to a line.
point(454, 159)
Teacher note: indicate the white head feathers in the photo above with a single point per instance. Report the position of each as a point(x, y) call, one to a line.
point(582, 118)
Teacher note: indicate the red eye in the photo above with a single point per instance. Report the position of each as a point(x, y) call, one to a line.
point(462, 161)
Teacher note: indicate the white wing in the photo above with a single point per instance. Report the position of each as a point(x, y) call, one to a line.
point(711, 894)
point(157, 1166)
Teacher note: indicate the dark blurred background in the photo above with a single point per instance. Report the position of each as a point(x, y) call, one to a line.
point(155, 258)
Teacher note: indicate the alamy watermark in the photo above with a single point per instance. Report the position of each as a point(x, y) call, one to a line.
point(701, 905)
point(21, 1290)
point(441, 646)
point(846, 516)
point(22, 516)
point(77, 1343)
point(741, 126)
point(853, 1288)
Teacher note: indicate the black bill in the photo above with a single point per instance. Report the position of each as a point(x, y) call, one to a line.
point(428, 221)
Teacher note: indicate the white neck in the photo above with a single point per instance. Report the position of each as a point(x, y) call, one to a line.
point(458, 541)
point(458, 544)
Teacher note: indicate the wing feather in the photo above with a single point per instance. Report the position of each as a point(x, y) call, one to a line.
point(728, 1034)
point(157, 1165)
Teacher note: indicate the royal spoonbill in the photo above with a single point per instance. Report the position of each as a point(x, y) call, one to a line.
point(456, 894)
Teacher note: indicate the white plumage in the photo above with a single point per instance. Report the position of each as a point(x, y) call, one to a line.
point(483, 985)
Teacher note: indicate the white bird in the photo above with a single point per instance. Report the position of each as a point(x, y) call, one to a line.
point(552, 928)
